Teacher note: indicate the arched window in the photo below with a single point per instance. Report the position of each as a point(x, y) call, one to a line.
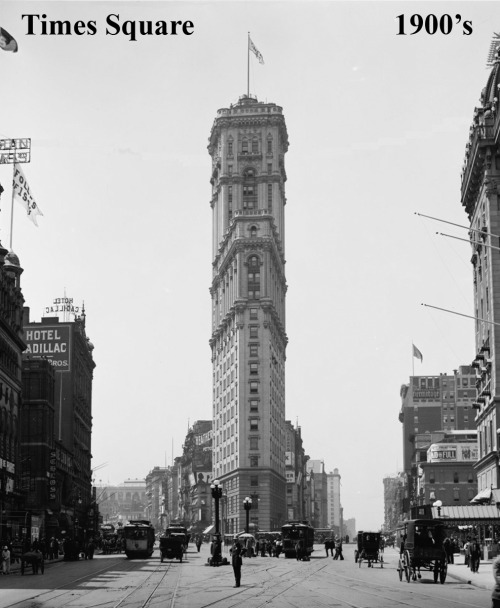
point(253, 277)
point(253, 231)
point(249, 189)
point(244, 146)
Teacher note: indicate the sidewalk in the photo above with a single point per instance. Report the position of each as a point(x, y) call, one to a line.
point(16, 568)
point(483, 578)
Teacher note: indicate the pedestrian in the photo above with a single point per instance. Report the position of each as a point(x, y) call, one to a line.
point(236, 562)
point(474, 555)
point(198, 543)
point(338, 549)
point(495, 594)
point(5, 560)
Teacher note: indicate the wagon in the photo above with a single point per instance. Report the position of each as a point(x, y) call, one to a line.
point(421, 548)
point(172, 547)
point(33, 558)
point(368, 549)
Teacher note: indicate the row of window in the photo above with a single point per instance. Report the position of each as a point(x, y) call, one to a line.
point(249, 146)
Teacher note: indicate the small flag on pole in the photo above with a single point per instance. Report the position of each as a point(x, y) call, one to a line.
point(417, 354)
point(7, 42)
point(255, 50)
point(21, 190)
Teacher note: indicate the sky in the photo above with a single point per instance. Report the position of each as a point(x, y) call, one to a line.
point(377, 124)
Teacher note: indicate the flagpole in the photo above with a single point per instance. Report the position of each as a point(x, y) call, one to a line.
point(248, 65)
point(12, 205)
point(412, 359)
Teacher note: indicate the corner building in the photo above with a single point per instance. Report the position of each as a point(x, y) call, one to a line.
point(248, 142)
point(481, 201)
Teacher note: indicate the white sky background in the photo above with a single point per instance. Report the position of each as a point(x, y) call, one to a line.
point(377, 125)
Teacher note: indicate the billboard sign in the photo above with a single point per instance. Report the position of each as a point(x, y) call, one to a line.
point(52, 342)
point(452, 452)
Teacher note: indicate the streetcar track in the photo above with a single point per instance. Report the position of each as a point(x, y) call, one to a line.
point(418, 595)
point(72, 582)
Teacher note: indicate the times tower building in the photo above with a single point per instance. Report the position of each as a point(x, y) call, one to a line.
point(247, 143)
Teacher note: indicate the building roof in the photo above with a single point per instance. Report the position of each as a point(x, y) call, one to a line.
point(468, 514)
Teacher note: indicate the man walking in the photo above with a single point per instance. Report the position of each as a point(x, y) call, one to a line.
point(236, 562)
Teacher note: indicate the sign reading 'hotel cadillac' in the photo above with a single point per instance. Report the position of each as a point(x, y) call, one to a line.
point(62, 305)
point(51, 342)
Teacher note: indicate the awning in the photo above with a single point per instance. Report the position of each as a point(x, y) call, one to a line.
point(468, 514)
point(483, 497)
point(209, 530)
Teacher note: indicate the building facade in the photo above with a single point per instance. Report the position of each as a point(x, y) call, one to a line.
point(155, 483)
point(296, 473)
point(334, 506)
point(448, 473)
point(121, 503)
point(12, 512)
point(430, 404)
point(316, 471)
point(66, 346)
point(248, 143)
point(393, 501)
point(480, 192)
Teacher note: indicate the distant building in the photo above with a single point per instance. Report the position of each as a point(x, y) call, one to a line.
point(121, 503)
point(296, 473)
point(393, 501)
point(195, 478)
point(334, 507)
point(316, 469)
point(350, 529)
point(155, 481)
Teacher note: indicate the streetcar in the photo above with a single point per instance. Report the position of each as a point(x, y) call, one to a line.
point(139, 537)
point(421, 548)
point(298, 536)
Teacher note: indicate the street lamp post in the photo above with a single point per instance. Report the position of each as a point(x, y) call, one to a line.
point(216, 494)
point(247, 505)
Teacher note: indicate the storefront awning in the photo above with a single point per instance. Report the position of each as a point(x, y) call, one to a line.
point(209, 530)
point(468, 514)
point(483, 497)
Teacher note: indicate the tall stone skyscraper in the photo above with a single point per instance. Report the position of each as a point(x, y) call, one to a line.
point(247, 144)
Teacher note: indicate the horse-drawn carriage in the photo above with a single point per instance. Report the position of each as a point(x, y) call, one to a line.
point(33, 559)
point(171, 547)
point(421, 548)
point(174, 544)
point(368, 549)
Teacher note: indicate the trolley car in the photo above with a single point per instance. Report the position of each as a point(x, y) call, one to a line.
point(298, 536)
point(368, 549)
point(421, 548)
point(139, 537)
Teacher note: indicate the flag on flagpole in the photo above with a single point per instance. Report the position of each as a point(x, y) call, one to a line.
point(255, 50)
point(7, 42)
point(21, 190)
point(417, 354)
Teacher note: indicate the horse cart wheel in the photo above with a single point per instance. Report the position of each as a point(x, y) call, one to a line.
point(356, 556)
point(400, 570)
point(436, 571)
point(406, 562)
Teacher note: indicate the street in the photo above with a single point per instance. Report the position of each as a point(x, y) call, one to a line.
point(113, 581)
